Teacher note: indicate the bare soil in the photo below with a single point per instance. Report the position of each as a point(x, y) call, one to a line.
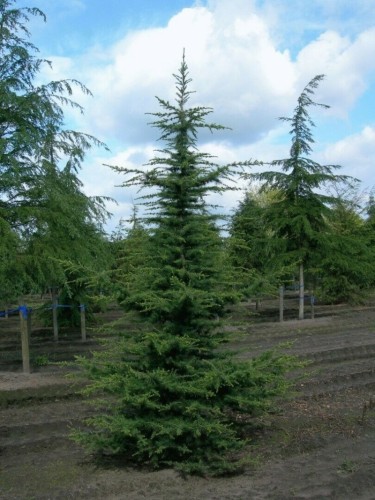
point(318, 444)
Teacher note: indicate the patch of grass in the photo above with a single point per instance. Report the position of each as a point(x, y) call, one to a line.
point(347, 467)
point(41, 360)
point(49, 478)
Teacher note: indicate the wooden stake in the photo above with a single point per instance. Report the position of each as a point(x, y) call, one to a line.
point(301, 312)
point(24, 340)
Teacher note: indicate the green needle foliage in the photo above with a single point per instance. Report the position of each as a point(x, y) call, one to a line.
point(346, 270)
point(170, 395)
point(253, 248)
point(299, 217)
point(44, 215)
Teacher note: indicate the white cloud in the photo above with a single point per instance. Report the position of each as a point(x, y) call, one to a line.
point(236, 68)
point(234, 63)
point(356, 154)
point(99, 178)
point(296, 22)
point(348, 65)
point(241, 67)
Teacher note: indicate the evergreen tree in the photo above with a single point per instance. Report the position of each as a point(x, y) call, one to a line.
point(12, 267)
point(129, 247)
point(174, 396)
point(41, 201)
point(299, 217)
point(345, 271)
point(253, 248)
point(370, 211)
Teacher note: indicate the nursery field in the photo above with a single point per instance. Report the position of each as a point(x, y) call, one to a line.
point(318, 444)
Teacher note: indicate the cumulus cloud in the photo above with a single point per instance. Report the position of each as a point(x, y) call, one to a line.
point(348, 65)
point(236, 67)
point(233, 61)
point(99, 177)
point(243, 66)
point(356, 154)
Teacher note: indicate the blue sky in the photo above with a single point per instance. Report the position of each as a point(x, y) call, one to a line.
point(249, 60)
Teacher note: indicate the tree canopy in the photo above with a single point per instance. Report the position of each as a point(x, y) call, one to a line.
point(175, 396)
point(42, 204)
point(299, 216)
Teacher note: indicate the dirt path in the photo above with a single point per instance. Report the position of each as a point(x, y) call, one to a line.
point(320, 444)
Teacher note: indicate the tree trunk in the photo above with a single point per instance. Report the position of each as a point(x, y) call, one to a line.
point(24, 340)
point(301, 292)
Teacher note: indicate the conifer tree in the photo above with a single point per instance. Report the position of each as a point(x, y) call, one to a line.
point(299, 217)
point(129, 248)
point(345, 271)
point(41, 198)
point(174, 396)
point(253, 248)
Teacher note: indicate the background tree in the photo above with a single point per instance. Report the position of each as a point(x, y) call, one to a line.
point(254, 250)
point(370, 213)
point(175, 397)
point(43, 210)
point(12, 267)
point(300, 215)
point(345, 271)
point(129, 248)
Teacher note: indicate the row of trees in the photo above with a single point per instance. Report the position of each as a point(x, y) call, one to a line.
point(303, 225)
point(170, 394)
point(47, 220)
point(339, 265)
point(178, 397)
point(291, 222)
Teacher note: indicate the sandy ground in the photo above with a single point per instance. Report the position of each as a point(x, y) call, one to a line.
point(319, 445)
point(15, 381)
